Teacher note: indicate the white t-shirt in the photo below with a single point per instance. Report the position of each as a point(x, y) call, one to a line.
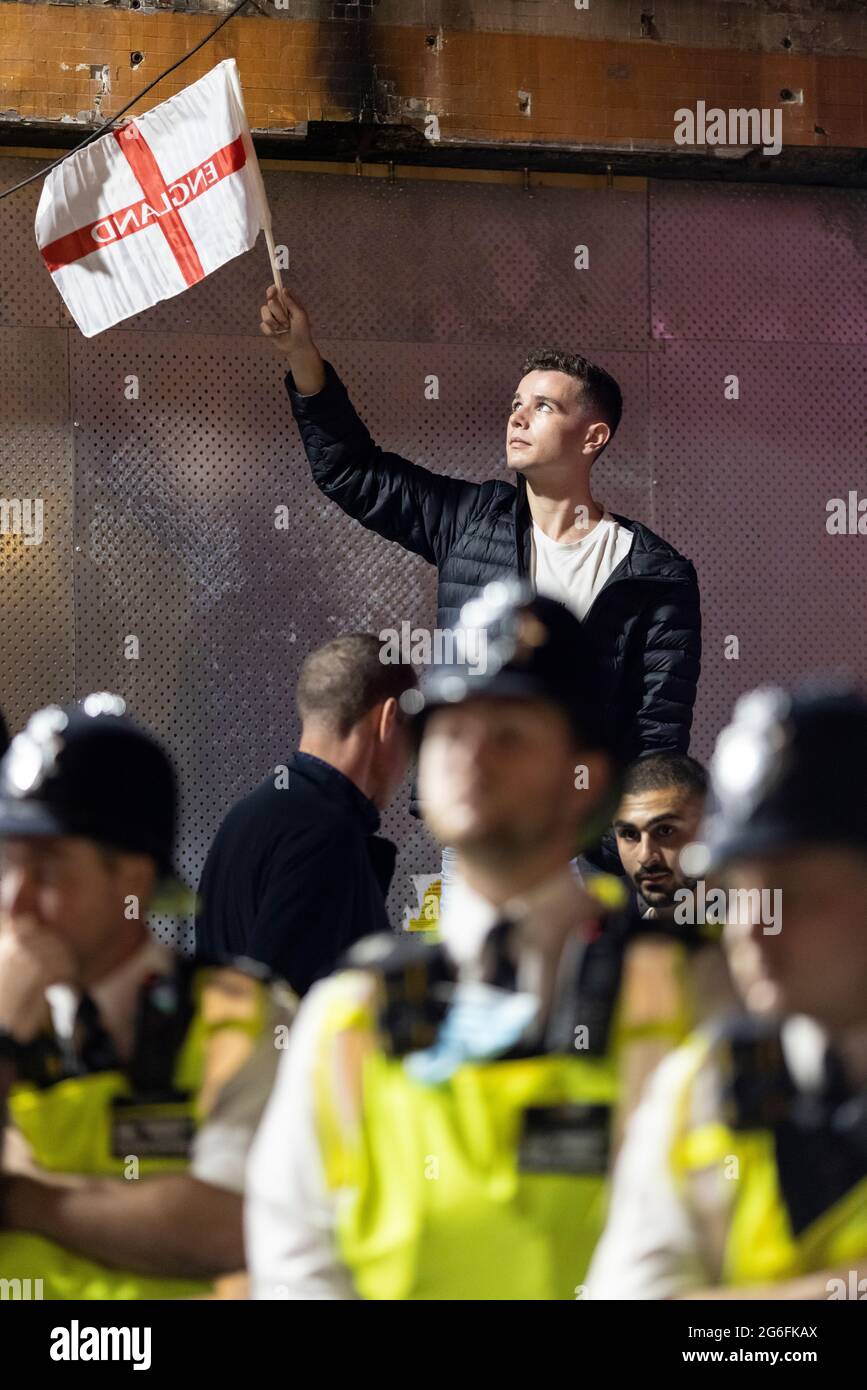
point(574, 572)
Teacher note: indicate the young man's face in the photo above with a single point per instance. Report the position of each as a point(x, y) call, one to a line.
point(652, 828)
point(498, 777)
point(550, 423)
point(71, 887)
point(816, 963)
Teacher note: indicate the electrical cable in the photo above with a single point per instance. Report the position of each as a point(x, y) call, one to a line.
point(112, 121)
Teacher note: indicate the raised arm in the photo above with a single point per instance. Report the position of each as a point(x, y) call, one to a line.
point(424, 512)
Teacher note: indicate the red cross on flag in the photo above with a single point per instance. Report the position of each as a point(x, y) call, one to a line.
point(154, 206)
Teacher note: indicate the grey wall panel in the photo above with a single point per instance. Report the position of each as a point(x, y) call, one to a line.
point(747, 263)
point(742, 486)
point(27, 295)
point(36, 576)
point(452, 262)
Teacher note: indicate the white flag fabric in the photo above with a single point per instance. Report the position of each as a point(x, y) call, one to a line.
point(154, 206)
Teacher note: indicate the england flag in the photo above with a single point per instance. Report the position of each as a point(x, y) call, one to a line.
point(154, 206)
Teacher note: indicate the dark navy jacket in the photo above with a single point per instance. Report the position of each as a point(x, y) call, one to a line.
point(645, 621)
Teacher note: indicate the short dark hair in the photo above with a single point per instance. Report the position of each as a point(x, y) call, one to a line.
point(658, 771)
point(600, 389)
point(346, 678)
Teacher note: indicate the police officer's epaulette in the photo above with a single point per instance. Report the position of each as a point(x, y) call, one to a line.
point(225, 966)
point(759, 1089)
point(167, 1003)
point(416, 980)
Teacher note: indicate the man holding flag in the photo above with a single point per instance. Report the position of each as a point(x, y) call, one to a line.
point(636, 596)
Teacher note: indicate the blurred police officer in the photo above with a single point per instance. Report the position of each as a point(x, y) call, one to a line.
point(441, 1125)
point(744, 1173)
point(119, 1060)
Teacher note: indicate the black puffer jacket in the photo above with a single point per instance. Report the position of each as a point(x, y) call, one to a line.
point(645, 621)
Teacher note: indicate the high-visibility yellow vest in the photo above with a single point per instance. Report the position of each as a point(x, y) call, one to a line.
point(94, 1124)
point(490, 1185)
point(761, 1245)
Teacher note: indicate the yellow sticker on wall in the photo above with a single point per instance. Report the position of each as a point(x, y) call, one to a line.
point(428, 889)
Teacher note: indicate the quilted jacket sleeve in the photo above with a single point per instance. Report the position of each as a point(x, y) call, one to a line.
point(402, 501)
point(671, 664)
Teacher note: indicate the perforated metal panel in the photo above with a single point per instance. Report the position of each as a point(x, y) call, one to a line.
point(36, 573)
point(742, 486)
point(174, 493)
point(753, 263)
point(769, 285)
point(27, 295)
point(446, 262)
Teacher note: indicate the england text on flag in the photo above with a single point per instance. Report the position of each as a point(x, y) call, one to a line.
point(154, 206)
